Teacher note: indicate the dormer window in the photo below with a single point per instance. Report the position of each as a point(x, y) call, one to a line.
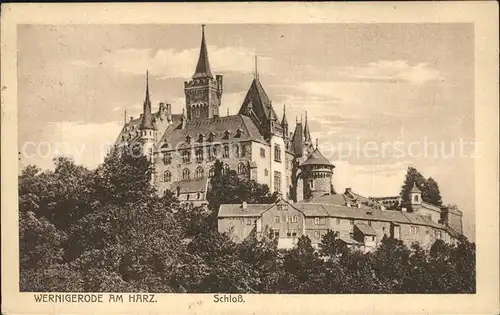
point(227, 133)
point(164, 147)
point(239, 132)
point(188, 139)
point(200, 138)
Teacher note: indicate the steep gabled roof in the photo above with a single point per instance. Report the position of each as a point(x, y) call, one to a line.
point(317, 158)
point(261, 105)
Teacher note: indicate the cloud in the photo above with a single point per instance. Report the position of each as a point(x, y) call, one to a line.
point(362, 180)
point(173, 63)
point(391, 71)
point(86, 143)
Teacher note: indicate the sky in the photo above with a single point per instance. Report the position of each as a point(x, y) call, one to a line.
point(379, 97)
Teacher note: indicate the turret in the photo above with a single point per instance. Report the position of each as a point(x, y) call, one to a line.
point(284, 123)
point(147, 126)
point(316, 173)
point(415, 196)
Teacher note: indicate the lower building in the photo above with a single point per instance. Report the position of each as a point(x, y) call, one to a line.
point(359, 221)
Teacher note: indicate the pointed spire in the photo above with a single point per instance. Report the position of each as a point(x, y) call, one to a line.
point(307, 133)
point(317, 143)
point(227, 111)
point(256, 73)
point(203, 67)
point(147, 117)
point(284, 122)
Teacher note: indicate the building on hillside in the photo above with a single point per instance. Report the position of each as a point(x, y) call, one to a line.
point(184, 146)
point(359, 221)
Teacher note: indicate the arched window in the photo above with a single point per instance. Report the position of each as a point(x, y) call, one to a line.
point(266, 172)
point(211, 172)
point(242, 169)
point(199, 172)
point(186, 156)
point(167, 176)
point(185, 174)
point(415, 198)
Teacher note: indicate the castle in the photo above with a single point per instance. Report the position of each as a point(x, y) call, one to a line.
point(183, 147)
point(254, 142)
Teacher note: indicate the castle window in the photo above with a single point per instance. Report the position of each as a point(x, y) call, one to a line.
point(244, 150)
point(225, 169)
point(198, 196)
point(295, 219)
point(249, 221)
point(316, 220)
point(186, 156)
point(167, 176)
point(211, 172)
point(266, 172)
point(185, 174)
point(187, 197)
point(200, 138)
point(317, 234)
point(242, 169)
point(167, 158)
point(276, 219)
point(294, 233)
point(415, 198)
point(188, 139)
point(199, 172)
point(262, 152)
point(226, 151)
point(199, 155)
point(277, 153)
point(239, 132)
point(226, 134)
point(178, 191)
point(338, 221)
point(277, 181)
point(236, 150)
point(211, 137)
point(311, 184)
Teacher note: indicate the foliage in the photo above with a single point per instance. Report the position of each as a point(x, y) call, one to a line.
point(429, 188)
point(229, 187)
point(106, 230)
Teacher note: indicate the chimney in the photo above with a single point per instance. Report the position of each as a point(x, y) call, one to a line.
point(161, 109)
point(168, 109)
point(244, 205)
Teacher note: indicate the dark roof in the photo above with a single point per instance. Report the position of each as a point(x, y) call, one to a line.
point(147, 117)
point(258, 99)
point(218, 126)
point(366, 229)
point(190, 186)
point(133, 126)
point(284, 122)
point(203, 67)
point(316, 158)
point(297, 140)
point(307, 133)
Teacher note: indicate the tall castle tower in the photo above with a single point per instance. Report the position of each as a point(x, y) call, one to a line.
point(203, 92)
point(316, 174)
point(147, 127)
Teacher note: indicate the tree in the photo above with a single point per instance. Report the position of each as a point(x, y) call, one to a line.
point(331, 246)
point(429, 188)
point(432, 194)
point(231, 188)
